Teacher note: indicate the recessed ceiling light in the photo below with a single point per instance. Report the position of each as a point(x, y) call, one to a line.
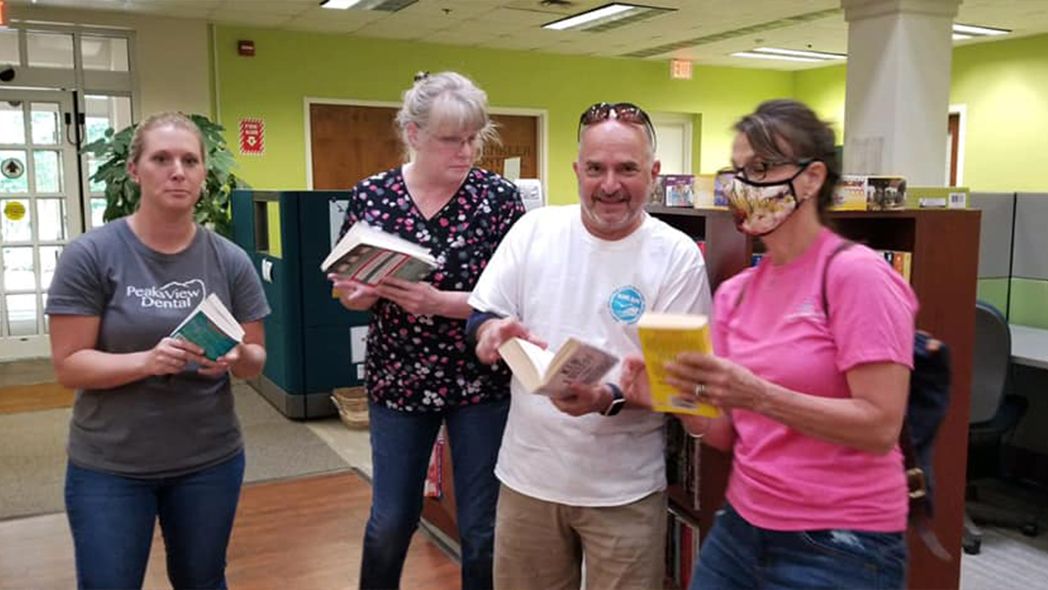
point(382, 5)
point(755, 55)
point(601, 17)
point(822, 55)
point(961, 37)
point(339, 4)
point(978, 31)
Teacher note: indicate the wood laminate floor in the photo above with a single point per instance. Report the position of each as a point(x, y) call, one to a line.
point(303, 534)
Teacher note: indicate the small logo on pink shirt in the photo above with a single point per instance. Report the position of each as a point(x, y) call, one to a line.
point(806, 309)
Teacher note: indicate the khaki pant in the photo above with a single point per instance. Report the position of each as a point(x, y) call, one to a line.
point(540, 545)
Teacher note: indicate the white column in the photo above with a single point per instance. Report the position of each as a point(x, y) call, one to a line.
point(898, 89)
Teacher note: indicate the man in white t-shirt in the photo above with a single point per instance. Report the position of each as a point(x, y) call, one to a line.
point(585, 476)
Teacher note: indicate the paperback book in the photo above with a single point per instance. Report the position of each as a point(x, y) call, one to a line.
point(662, 337)
point(368, 255)
point(542, 371)
point(211, 327)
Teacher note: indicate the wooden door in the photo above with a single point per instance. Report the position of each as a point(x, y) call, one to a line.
point(351, 142)
point(518, 137)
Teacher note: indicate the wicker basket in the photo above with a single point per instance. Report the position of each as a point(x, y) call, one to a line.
point(352, 404)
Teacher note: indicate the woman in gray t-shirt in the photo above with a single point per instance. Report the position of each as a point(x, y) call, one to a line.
point(153, 433)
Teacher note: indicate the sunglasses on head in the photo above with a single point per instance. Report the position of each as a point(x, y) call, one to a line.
point(626, 112)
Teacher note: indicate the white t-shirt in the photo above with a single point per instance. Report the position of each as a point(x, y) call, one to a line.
point(560, 281)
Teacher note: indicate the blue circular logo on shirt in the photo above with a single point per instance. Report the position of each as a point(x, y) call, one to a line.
point(626, 304)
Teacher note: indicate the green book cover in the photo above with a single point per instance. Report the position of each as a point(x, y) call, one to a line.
point(204, 333)
point(211, 327)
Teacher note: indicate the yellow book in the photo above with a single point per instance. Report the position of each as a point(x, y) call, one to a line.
point(662, 337)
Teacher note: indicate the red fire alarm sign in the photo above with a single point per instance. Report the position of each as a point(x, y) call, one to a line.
point(252, 137)
point(246, 48)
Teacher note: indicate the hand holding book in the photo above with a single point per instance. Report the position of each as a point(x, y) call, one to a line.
point(542, 371)
point(368, 255)
point(664, 339)
point(213, 333)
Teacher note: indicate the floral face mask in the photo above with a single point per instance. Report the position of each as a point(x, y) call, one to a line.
point(760, 208)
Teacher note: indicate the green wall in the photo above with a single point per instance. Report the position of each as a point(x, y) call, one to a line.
point(1004, 86)
point(290, 66)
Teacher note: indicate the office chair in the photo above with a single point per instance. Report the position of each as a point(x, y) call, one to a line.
point(994, 413)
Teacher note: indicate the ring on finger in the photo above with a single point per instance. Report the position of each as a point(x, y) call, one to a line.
point(700, 389)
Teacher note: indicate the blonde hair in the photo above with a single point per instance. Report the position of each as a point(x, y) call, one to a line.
point(446, 98)
point(160, 120)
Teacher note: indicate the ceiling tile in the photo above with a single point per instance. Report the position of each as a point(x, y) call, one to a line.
point(516, 24)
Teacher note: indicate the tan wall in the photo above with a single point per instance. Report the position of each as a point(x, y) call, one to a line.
point(171, 55)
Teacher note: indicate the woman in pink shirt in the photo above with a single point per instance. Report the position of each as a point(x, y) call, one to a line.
point(814, 351)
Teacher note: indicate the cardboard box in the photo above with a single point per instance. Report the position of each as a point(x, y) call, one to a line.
point(850, 193)
point(885, 193)
point(937, 197)
point(858, 192)
point(704, 191)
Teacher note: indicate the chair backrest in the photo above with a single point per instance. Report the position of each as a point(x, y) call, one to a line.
point(990, 367)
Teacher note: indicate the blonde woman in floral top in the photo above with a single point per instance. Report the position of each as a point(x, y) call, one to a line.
point(420, 372)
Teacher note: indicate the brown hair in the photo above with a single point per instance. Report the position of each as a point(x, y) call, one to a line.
point(789, 130)
point(159, 120)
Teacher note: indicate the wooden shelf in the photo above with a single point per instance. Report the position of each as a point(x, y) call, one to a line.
point(945, 247)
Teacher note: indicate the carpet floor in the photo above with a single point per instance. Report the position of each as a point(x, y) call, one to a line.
point(33, 459)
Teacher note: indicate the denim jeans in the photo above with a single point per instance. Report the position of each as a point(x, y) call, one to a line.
point(401, 443)
point(112, 519)
point(739, 555)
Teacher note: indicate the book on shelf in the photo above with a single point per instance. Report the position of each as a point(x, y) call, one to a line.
point(542, 371)
point(678, 190)
point(900, 260)
point(662, 337)
point(211, 327)
point(368, 254)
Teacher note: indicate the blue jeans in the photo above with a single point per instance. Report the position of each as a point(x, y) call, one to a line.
point(739, 555)
point(401, 443)
point(112, 518)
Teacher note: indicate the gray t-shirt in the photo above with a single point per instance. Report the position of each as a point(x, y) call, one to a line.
point(158, 426)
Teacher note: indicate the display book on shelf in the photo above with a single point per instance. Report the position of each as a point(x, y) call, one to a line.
point(943, 246)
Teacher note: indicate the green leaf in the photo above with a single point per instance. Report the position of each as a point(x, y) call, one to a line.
point(122, 195)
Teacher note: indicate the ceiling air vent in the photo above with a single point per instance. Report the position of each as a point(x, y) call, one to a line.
point(750, 30)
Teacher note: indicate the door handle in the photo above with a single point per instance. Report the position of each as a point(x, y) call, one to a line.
point(77, 138)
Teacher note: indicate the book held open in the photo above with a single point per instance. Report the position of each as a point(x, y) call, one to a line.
point(541, 371)
point(211, 327)
point(662, 337)
point(368, 255)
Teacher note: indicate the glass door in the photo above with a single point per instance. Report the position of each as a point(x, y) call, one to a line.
point(40, 210)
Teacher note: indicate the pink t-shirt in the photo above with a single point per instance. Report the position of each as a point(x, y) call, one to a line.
point(782, 479)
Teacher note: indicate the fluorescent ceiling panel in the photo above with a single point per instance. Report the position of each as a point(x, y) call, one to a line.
point(606, 17)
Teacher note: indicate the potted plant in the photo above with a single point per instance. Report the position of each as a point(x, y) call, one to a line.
point(213, 208)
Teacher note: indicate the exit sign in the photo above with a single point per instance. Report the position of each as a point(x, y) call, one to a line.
point(680, 69)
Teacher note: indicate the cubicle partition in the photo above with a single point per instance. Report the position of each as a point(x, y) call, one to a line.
point(314, 345)
point(1013, 255)
point(995, 246)
point(1029, 285)
point(1013, 276)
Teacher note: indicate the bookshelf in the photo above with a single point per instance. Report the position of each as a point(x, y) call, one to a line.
point(945, 247)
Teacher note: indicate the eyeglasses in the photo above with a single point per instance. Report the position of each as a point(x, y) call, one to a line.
point(626, 112)
point(757, 169)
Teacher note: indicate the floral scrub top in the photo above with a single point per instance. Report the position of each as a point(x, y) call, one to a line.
point(423, 363)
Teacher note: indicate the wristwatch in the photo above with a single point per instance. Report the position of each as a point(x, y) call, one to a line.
point(618, 400)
